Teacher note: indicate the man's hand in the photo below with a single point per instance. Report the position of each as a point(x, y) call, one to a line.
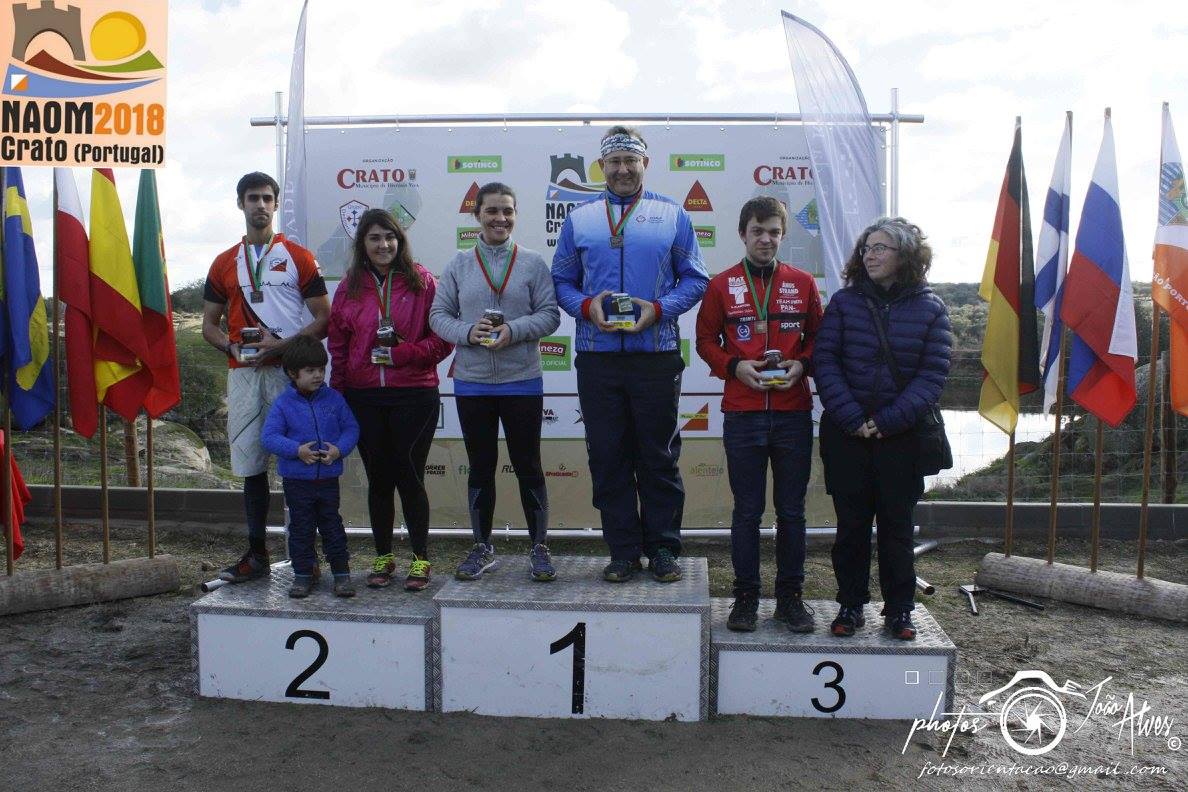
point(270, 348)
point(746, 372)
point(795, 371)
point(596, 314)
point(330, 454)
point(647, 315)
point(307, 454)
point(500, 337)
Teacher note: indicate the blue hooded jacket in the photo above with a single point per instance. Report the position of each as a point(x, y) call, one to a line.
point(296, 419)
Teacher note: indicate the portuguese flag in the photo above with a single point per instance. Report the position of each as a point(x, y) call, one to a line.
point(148, 257)
point(1010, 349)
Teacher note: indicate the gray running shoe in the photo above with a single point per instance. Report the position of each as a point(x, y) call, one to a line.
point(541, 564)
point(480, 559)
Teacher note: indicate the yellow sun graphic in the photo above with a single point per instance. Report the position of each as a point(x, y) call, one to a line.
point(116, 36)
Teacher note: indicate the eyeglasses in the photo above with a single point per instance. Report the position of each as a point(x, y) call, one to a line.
point(878, 248)
point(625, 162)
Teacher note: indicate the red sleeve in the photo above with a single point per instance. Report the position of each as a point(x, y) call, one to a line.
point(430, 349)
point(309, 274)
point(710, 330)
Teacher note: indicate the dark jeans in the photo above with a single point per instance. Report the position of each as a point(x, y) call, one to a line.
point(313, 509)
point(751, 439)
point(394, 444)
point(480, 417)
point(629, 407)
point(869, 479)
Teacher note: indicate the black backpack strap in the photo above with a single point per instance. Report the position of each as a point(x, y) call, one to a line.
point(881, 329)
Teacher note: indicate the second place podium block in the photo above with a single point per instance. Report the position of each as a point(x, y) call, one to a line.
point(578, 646)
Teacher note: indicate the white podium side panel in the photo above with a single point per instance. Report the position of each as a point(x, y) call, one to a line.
point(774, 672)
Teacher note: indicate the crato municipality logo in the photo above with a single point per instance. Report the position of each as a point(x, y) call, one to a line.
point(482, 163)
point(697, 162)
point(1033, 714)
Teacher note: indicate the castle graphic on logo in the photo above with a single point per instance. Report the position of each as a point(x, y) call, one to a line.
point(119, 58)
point(568, 181)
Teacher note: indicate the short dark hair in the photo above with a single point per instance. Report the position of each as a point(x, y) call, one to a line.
point(303, 352)
point(492, 188)
point(256, 179)
point(762, 209)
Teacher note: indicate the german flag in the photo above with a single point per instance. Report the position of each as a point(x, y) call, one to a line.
point(1010, 349)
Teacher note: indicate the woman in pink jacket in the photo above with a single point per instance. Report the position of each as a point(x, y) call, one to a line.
point(384, 361)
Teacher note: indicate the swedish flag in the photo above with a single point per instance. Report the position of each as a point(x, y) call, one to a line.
point(24, 331)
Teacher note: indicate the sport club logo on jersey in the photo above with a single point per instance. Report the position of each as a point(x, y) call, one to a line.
point(788, 170)
point(697, 200)
point(569, 185)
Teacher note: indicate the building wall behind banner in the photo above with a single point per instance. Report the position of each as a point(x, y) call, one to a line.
point(428, 178)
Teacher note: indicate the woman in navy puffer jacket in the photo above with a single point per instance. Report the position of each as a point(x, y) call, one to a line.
point(868, 440)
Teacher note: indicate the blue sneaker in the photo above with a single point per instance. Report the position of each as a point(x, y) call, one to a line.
point(541, 565)
point(480, 559)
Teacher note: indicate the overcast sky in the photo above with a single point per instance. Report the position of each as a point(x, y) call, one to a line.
point(968, 68)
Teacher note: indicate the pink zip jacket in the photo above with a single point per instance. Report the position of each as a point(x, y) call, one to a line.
point(354, 320)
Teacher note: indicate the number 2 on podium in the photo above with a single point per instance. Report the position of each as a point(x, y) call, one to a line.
point(577, 639)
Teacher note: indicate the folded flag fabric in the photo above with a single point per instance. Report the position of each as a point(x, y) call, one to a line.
point(1052, 255)
point(1169, 287)
point(74, 287)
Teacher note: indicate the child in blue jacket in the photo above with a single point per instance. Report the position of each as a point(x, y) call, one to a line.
point(310, 429)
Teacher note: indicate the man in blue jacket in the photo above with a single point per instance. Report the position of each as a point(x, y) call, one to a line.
point(631, 242)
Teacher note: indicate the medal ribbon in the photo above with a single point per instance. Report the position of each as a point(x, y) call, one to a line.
point(760, 310)
point(487, 269)
point(255, 267)
point(384, 295)
point(616, 229)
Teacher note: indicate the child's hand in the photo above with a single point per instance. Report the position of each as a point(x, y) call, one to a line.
point(307, 454)
point(330, 454)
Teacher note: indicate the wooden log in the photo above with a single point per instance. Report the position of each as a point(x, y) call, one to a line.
point(1114, 591)
point(84, 584)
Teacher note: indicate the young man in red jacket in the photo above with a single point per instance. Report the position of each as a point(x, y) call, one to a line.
point(755, 330)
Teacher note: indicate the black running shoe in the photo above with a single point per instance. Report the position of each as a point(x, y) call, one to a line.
point(848, 620)
point(665, 567)
point(620, 571)
point(744, 614)
point(791, 610)
point(249, 567)
point(900, 625)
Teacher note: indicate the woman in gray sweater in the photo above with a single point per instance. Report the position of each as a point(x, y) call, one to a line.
point(494, 303)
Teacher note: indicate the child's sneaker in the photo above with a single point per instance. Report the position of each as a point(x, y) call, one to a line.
point(343, 587)
point(540, 564)
point(249, 567)
point(302, 585)
point(480, 559)
point(418, 575)
point(382, 570)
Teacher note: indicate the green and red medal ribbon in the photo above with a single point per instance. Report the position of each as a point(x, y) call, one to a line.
point(760, 310)
point(616, 229)
point(255, 266)
point(486, 268)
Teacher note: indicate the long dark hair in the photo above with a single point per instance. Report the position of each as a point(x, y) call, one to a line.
point(403, 265)
point(915, 254)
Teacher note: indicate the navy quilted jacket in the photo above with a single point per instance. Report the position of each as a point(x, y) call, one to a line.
point(855, 383)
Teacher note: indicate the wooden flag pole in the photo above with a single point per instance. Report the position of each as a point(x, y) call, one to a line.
point(131, 463)
point(1148, 435)
point(103, 483)
point(1010, 506)
point(58, 532)
point(152, 512)
point(1095, 531)
point(1056, 444)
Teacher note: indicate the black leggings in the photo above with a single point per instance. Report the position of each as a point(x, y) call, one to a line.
point(480, 417)
point(394, 445)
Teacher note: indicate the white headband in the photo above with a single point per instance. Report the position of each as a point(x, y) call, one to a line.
point(622, 142)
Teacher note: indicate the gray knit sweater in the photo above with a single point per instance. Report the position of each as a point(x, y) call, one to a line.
point(529, 306)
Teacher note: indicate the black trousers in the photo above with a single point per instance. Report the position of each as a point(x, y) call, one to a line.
point(871, 478)
point(480, 417)
point(313, 510)
point(629, 408)
point(394, 444)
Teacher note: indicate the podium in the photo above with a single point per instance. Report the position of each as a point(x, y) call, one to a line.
point(377, 649)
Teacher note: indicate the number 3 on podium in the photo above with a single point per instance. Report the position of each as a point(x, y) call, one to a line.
point(577, 639)
point(834, 684)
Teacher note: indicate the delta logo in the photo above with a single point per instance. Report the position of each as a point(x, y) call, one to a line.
point(697, 200)
point(698, 421)
point(467, 237)
point(470, 202)
point(555, 353)
point(697, 162)
point(707, 236)
point(483, 163)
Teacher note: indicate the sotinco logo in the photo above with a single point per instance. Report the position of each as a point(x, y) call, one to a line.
point(697, 200)
point(483, 163)
point(569, 185)
point(555, 352)
point(788, 170)
point(467, 237)
point(707, 236)
point(697, 162)
point(84, 83)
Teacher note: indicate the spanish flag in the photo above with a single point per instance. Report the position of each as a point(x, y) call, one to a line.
point(24, 339)
point(121, 378)
point(1010, 351)
point(148, 256)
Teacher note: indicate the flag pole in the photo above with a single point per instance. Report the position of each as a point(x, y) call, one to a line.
point(6, 457)
point(1010, 506)
point(152, 512)
point(1148, 434)
point(1056, 443)
point(58, 533)
point(1095, 530)
point(103, 483)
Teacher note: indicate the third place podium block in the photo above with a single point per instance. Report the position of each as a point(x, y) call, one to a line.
point(578, 646)
point(773, 671)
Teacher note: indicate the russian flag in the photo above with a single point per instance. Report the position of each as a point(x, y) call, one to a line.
point(1052, 256)
point(1098, 302)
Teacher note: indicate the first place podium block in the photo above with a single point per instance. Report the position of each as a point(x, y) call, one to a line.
point(377, 649)
point(578, 646)
point(773, 671)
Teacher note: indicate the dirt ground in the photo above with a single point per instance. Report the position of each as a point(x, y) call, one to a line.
point(100, 698)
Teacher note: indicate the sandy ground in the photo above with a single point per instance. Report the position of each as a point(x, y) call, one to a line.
point(100, 698)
